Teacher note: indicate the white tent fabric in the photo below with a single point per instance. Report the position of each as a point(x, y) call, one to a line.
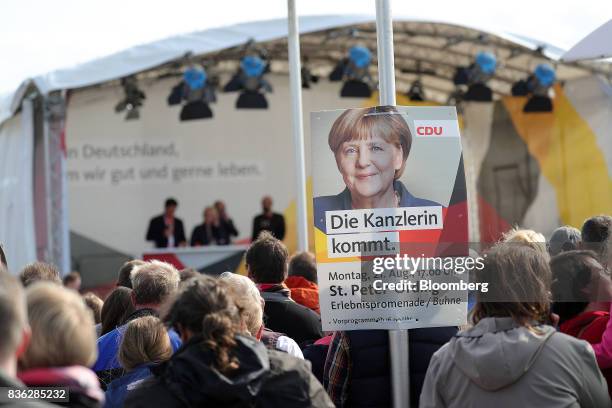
point(16, 200)
point(596, 45)
point(148, 56)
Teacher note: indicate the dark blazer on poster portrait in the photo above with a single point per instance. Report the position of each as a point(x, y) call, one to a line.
point(342, 201)
point(157, 226)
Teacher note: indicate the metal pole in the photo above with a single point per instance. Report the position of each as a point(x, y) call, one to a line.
point(398, 339)
point(49, 250)
point(295, 79)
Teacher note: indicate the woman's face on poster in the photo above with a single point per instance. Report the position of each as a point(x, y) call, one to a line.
point(368, 166)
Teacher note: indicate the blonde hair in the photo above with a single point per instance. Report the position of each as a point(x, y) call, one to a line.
point(247, 298)
point(95, 304)
point(359, 124)
point(530, 238)
point(145, 340)
point(63, 332)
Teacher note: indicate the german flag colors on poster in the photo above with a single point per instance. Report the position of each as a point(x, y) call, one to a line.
point(390, 217)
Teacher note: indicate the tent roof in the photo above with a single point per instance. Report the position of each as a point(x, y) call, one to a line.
point(595, 45)
point(429, 50)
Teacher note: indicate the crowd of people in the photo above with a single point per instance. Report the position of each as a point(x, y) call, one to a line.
point(217, 227)
point(171, 338)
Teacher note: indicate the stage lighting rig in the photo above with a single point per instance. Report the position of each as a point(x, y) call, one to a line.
point(132, 100)
point(355, 71)
point(250, 78)
point(476, 77)
point(196, 91)
point(538, 85)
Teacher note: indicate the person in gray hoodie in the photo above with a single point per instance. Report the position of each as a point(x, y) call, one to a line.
point(512, 357)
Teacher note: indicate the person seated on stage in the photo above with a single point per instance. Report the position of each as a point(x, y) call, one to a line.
point(266, 264)
point(208, 232)
point(152, 284)
point(302, 280)
point(268, 221)
point(165, 230)
point(227, 230)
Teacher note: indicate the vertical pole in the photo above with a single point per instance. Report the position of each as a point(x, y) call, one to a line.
point(295, 79)
point(49, 250)
point(398, 339)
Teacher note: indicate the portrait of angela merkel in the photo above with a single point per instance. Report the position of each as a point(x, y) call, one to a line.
point(371, 146)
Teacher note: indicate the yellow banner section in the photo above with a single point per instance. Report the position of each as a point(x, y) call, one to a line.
point(566, 149)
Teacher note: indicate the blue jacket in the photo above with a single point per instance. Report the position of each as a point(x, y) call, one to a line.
point(118, 389)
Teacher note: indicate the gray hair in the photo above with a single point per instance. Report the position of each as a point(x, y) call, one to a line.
point(153, 281)
point(247, 298)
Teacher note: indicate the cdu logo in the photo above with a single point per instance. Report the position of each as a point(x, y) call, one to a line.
point(436, 128)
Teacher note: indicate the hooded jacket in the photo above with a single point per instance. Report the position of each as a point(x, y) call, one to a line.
point(266, 378)
point(304, 292)
point(498, 363)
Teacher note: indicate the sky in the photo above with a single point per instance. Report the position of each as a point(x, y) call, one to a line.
point(38, 36)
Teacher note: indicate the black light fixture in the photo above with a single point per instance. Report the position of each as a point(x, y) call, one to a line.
point(307, 76)
point(355, 73)
point(250, 78)
point(476, 77)
point(538, 86)
point(196, 90)
point(132, 100)
point(416, 92)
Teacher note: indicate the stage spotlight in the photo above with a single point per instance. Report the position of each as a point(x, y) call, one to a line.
point(357, 80)
point(196, 90)
point(416, 92)
point(537, 85)
point(132, 100)
point(476, 76)
point(251, 82)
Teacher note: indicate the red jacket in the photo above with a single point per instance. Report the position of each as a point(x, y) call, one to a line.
point(304, 292)
point(590, 326)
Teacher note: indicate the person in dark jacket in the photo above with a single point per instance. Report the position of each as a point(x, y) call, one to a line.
point(266, 263)
point(14, 339)
point(357, 369)
point(227, 229)
point(268, 221)
point(207, 233)
point(165, 230)
point(218, 366)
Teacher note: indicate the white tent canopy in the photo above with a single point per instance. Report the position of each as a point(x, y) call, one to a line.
point(434, 49)
point(596, 45)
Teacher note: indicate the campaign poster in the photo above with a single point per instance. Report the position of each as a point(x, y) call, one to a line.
point(390, 218)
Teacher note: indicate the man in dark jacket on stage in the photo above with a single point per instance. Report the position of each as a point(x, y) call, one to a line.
point(268, 221)
point(165, 230)
point(266, 263)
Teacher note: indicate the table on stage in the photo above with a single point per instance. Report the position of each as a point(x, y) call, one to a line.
point(212, 260)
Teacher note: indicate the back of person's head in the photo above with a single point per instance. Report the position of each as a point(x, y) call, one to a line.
point(63, 332)
point(13, 315)
point(153, 281)
point(575, 275)
point(204, 308)
point(72, 280)
point(526, 237)
point(595, 232)
point(519, 280)
point(117, 307)
point(247, 298)
point(303, 264)
point(124, 277)
point(145, 340)
point(565, 238)
point(188, 273)
point(95, 304)
point(39, 271)
point(266, 259)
